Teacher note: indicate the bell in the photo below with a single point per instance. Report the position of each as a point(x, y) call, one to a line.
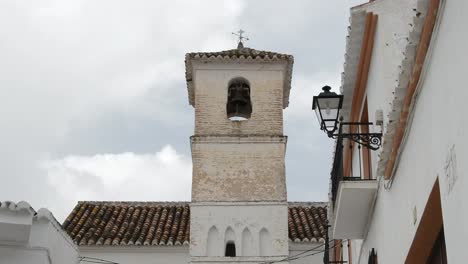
point(239, 104)
point(239, 95)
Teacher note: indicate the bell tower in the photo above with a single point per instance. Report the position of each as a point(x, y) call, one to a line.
point(239, 208)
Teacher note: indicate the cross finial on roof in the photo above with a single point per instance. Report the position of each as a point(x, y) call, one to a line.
point(240, 43)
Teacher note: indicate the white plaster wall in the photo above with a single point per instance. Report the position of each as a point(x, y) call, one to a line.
point(356, 246)
point(139, 255)
point(357, 169)
point(46, 234)
point(266, 92)
point(24, 255)
point(180, 254)
point(238, 216)
point(393, 27)
point(394, 19)
point(15, 226)
point(311, 257)
point(437, 135)
point(47, 244)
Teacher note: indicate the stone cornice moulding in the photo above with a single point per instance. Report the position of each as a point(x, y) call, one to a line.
point(238, 139)
point(242, 259)
point(237, 203)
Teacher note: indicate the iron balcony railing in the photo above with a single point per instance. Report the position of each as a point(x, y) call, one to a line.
point(337, 173)
point(337, 169)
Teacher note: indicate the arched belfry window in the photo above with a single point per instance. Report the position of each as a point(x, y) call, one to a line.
point(239, 106)
point(230, 249)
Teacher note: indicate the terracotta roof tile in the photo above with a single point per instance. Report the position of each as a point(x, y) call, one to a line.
point(307, 221)
point(167, 223)
point(240, 52)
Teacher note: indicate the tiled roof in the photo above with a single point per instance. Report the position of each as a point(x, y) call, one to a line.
point(241, 54)
point(307, 222)
point(129, 223)
point(167, 223)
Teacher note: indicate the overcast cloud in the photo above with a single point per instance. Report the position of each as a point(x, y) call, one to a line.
point(93, 101)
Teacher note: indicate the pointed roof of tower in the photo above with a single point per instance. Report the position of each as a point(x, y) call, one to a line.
point(241, 54)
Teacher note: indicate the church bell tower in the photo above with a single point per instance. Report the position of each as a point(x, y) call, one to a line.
point(239, 211)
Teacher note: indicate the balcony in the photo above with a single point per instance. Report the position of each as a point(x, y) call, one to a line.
point(352, 199)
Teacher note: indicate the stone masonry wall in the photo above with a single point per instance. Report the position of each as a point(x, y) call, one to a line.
point(266, 87)
point(243, 171)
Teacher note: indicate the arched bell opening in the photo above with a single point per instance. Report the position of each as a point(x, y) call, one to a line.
point(230, 245)
point(230, 249)
point(239, 105)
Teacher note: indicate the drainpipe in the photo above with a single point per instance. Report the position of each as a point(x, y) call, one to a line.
point(326, 254)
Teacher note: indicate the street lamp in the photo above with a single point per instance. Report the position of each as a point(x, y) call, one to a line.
point(327, 106)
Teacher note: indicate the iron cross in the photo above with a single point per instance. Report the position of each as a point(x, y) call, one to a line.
point(240, 35)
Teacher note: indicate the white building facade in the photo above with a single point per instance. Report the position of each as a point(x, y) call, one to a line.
point(404, 71)
point(27, 236)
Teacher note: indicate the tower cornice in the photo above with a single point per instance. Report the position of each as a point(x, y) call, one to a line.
point(229, 139)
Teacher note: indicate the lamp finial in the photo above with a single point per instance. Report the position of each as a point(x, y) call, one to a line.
point(326, 88)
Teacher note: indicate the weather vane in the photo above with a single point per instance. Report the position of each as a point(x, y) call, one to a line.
point(241, 38)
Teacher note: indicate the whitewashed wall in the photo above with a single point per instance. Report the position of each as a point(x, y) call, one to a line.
point(296, 250)
point(29, 238)
point(436, 145)
point(213, 224)
point(139, 255)
point(180, 254)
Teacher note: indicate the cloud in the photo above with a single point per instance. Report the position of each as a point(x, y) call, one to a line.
point(305, 87)
point(161, 176)
point(85, 77)
point(89, 89)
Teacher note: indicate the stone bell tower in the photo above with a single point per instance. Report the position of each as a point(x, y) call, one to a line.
point(239, 211)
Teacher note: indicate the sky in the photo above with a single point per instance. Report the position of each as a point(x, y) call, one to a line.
point(94, 104)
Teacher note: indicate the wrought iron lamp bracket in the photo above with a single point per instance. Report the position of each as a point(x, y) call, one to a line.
point(372, 141)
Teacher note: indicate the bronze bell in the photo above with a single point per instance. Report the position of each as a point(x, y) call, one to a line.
point(238, 103)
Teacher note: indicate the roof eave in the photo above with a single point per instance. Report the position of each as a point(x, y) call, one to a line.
point(354, 42)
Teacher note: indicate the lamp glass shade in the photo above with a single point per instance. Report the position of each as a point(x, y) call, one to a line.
point(327, 107)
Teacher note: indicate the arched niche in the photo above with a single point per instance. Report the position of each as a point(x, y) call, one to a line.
point(212, 243)
point(265, 243)
point(248, 248)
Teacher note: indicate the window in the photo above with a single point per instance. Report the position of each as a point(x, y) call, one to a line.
point(239, 106)
point(230, 249)
point(438, 252)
